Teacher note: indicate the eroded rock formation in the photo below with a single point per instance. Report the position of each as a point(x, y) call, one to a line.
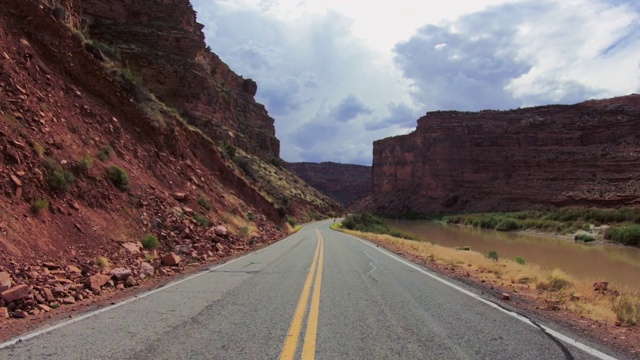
point(345, 183)
point(163, 45)
point(586, 154)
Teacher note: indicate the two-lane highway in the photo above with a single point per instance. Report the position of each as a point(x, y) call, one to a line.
point(318, 293)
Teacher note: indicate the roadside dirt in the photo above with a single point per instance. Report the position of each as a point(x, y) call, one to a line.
point(624, 339)
point(13, 328)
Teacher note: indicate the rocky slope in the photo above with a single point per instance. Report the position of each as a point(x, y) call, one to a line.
point(344, 183)
point(162, 44)
point(586, 154)
point(93, 165)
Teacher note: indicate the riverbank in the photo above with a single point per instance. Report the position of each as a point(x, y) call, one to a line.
point(602, 312)
point(620, 226)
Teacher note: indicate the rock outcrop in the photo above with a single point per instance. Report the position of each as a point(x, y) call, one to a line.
point(163, 46)
point(344, 183)
point(586, 154)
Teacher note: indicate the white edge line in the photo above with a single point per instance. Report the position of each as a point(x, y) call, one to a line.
point(117, 305)
point(557, 335)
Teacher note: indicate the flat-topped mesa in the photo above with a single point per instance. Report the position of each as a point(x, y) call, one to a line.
point(586, 154)
point(163, 45)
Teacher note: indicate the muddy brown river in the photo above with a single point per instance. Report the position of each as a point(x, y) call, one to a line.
point(617, 264)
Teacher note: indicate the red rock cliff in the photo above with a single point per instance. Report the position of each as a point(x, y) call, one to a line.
point(163, 45)
point(345, 183)
point(584, 154)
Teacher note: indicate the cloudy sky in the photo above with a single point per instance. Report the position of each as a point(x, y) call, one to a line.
point(338, 74)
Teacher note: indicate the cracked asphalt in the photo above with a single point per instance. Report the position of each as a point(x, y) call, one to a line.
point(371, 306)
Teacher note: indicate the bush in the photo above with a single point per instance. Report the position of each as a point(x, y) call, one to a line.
point(556, 281)
point(85, 164)
point(627, 235)
point(584, 237)
point(291, 221)
point(204, 202)
point(149, 242)
point(202, 220)
point(105, 153)
point(492, 255)
point(58, 178)
point(229, 151)
point(250, 216)
point(507, 224)
point(627, 308)
point(373, 224)
point(520, 260)
point(102, 262)
point(118, 177)
point(39, 150)
point(38, 205)
point(244, 231)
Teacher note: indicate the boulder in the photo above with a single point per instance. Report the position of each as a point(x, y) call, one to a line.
point(600, 286)
point(120, 274)
point(74, 269)
point(146, 269)
point(5, 281)
point(171, 259)
point(43, 307)
point(95, 282)
point(133, 248)
point(48, 295)
point(221, 231)
point(15, 293)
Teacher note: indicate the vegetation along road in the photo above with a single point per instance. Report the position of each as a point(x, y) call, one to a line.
point(318, 293)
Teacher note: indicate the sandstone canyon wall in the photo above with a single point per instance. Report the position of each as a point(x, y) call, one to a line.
point(162, 44)
point(586, 154)
point(344, 183)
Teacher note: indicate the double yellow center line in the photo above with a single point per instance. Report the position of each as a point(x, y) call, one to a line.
point(291, 342)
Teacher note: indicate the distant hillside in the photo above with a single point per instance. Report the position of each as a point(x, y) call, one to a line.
point(345, 183)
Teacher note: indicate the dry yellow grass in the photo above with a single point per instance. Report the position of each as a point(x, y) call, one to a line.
point(553, 289)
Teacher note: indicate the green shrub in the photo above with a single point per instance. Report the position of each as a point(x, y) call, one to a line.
point(627, 308)
point(118, 177)
point(584, 237)
point(105, 153)
point(58, 178)
point(204, 202)
point(85, 164)
point(250, 216)
point(507, 224)
point(102, 262)
point(627, 235)
point(373, 224)
point(492, 255)
point(229, 151)
point(149, 242)
point(556, 281)
point(39, 150)
point(244, 231)
point(520, 260)
point(202, 219)
point(38, 205)
point(291, 221)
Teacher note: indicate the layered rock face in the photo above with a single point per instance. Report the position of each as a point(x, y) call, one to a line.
point(345, 183)
point(163, 45)
point(586, 154)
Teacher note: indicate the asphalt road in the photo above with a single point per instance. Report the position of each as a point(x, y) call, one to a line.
point(317, 293)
